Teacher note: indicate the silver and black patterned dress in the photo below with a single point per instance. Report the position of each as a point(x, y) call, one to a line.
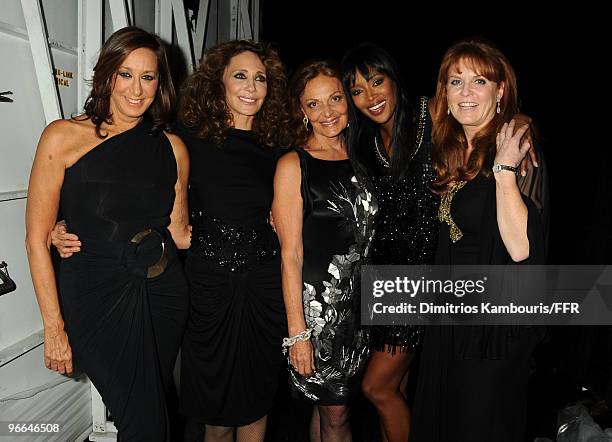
point(337, 231)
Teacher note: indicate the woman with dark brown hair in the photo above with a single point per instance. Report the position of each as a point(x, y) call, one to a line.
point(473, 379)
point(231, 111)
point(324, 219)
point(122, 182)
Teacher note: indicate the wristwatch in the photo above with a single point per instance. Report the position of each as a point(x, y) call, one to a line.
point(499, 167)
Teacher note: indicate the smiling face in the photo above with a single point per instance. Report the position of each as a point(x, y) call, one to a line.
point(324, 103)
point(245, 85)
point(134, 85)
point(472, 98)
point(374, 97)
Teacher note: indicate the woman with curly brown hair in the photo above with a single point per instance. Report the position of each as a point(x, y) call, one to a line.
point(230, 111)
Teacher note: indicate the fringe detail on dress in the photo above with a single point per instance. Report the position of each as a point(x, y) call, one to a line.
point(394, 338)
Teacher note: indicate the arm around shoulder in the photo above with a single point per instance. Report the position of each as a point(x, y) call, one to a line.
point(179, 218)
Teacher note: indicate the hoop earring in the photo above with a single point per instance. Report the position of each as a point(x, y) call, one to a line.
point(305, 121)
point(498, 110)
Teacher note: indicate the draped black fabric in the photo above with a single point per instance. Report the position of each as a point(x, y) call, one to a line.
point(125, 329)
point(472, 382)
point(231, 354)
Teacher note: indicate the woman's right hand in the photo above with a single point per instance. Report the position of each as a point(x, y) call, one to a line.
point(66, 243)
point(301, 358)
point(58, 354)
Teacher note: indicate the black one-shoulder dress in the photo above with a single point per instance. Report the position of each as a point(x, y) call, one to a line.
point(124, 296)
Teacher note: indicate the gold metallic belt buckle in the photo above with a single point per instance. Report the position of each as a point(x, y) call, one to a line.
point(159, 267)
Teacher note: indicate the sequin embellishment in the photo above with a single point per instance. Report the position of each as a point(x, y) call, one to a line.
point(382, 155)
point(232, 246)
point(444, 211)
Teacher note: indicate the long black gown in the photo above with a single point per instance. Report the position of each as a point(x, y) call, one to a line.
point(472, 384)
point(124, 328)
point(338, 227)
point(231, 354)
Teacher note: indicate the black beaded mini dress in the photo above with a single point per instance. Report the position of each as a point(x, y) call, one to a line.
point(407, 225)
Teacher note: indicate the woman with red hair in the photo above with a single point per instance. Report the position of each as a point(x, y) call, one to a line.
point(473, 379)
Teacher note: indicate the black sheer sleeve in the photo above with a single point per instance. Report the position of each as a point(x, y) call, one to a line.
point(535, 187)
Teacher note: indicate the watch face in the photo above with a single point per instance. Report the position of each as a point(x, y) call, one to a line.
point(500, 167)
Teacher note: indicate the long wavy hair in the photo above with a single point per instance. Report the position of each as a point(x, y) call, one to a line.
point(449, 139)
point(296, 132)
point(368, 59)
point(118, 46)
point(202, 105)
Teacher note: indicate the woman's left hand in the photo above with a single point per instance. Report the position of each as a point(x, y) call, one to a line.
point(510, 149)
point(532, 159)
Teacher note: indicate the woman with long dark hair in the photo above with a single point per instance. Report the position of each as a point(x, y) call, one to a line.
point(391, 150)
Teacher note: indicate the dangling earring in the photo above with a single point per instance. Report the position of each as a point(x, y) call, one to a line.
point(498, 110)
point(305, 121)
point(448, 110)
point(348, 125)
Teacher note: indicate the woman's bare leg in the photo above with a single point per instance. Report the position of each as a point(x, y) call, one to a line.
point(382, 386)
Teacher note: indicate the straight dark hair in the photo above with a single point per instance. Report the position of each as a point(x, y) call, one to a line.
point(118, 46)
point(369, 59)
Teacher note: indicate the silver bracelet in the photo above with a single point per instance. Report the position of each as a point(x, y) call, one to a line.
point(303, 336)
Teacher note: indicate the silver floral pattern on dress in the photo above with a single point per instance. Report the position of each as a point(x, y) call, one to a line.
point(340, 345)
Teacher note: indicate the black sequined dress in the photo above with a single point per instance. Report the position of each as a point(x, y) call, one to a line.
point(231, 354)
point(338, 227)
point(407, 226)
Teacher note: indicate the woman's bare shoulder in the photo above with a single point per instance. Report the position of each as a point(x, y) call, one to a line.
point(68, 139)
point(69, 129)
